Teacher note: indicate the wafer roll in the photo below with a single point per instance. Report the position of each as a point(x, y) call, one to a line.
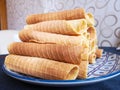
point(92, 33)
point(92, 50)
point(99, 53)
point(90, 19)
point(92, 44)
point(86, 35)
point(41, 67)
point(92, 37)
point(61, 15)
point(51, 38)
point(69, 54)
point(83, 70)
point(72, 27)
point(86, 42)
point(92, 58)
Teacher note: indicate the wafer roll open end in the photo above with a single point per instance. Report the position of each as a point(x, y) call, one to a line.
point(79, 26)
point(73, 73)
point(41, 67)
point(92, 45)
point(99, 52)
point(92, 32)
point(92, 58)
point(90, 19)
point(86, 35)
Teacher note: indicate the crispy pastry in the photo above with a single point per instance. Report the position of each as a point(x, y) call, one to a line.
point(51, 38)
point(63, 53)
point(99, 52)
point(90, 19)
point(41, 67)
point(92, 33)
point(92, 58)
point(61, 15)
point(83, 70)
point(71, 27)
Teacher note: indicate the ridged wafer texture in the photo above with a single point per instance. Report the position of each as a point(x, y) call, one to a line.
point(83, 70)
point(63, 53)
point(41, 67)
point(51, 38)
point(71, 27)
point(61, 15)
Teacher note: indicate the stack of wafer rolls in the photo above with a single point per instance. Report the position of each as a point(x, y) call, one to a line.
point(55, 46)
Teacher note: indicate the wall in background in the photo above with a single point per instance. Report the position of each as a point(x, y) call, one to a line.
point(106, 14)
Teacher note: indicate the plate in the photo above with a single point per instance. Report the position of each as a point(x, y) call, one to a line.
point(106, 67)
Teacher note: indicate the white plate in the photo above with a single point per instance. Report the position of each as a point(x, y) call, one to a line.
point(105, 68)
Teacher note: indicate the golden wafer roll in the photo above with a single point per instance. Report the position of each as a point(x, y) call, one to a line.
point(92, 58)
point(92, 33)
point(93, 44)
point(99, 53)
point(90, 19)
point(51, 38)
point(72, 27)
point(69, 54)
point(86, 42)
point(86, 35)
point(61, 15)
point(83, 70)
point(92, 50)
point(41, 67)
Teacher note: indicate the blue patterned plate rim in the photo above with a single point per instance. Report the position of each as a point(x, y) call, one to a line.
point(39, 81)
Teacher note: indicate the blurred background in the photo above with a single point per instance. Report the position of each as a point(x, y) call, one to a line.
point(106, 13)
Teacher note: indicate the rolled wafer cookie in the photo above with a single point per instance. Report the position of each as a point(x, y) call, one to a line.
point(92, 50)
point(41, 67)
point(92, 32)
point(86, 35)
point(92, 44)
point(99, 53)
point(60, 15)
point(63, 53)
point(83, 69)
point(51, 38)
point(90, 19)
point(72, 27)
point(92, 58)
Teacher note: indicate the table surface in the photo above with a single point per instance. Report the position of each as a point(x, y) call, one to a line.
point(8, 83)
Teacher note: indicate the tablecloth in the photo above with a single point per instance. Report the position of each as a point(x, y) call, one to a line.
point(8, 83)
